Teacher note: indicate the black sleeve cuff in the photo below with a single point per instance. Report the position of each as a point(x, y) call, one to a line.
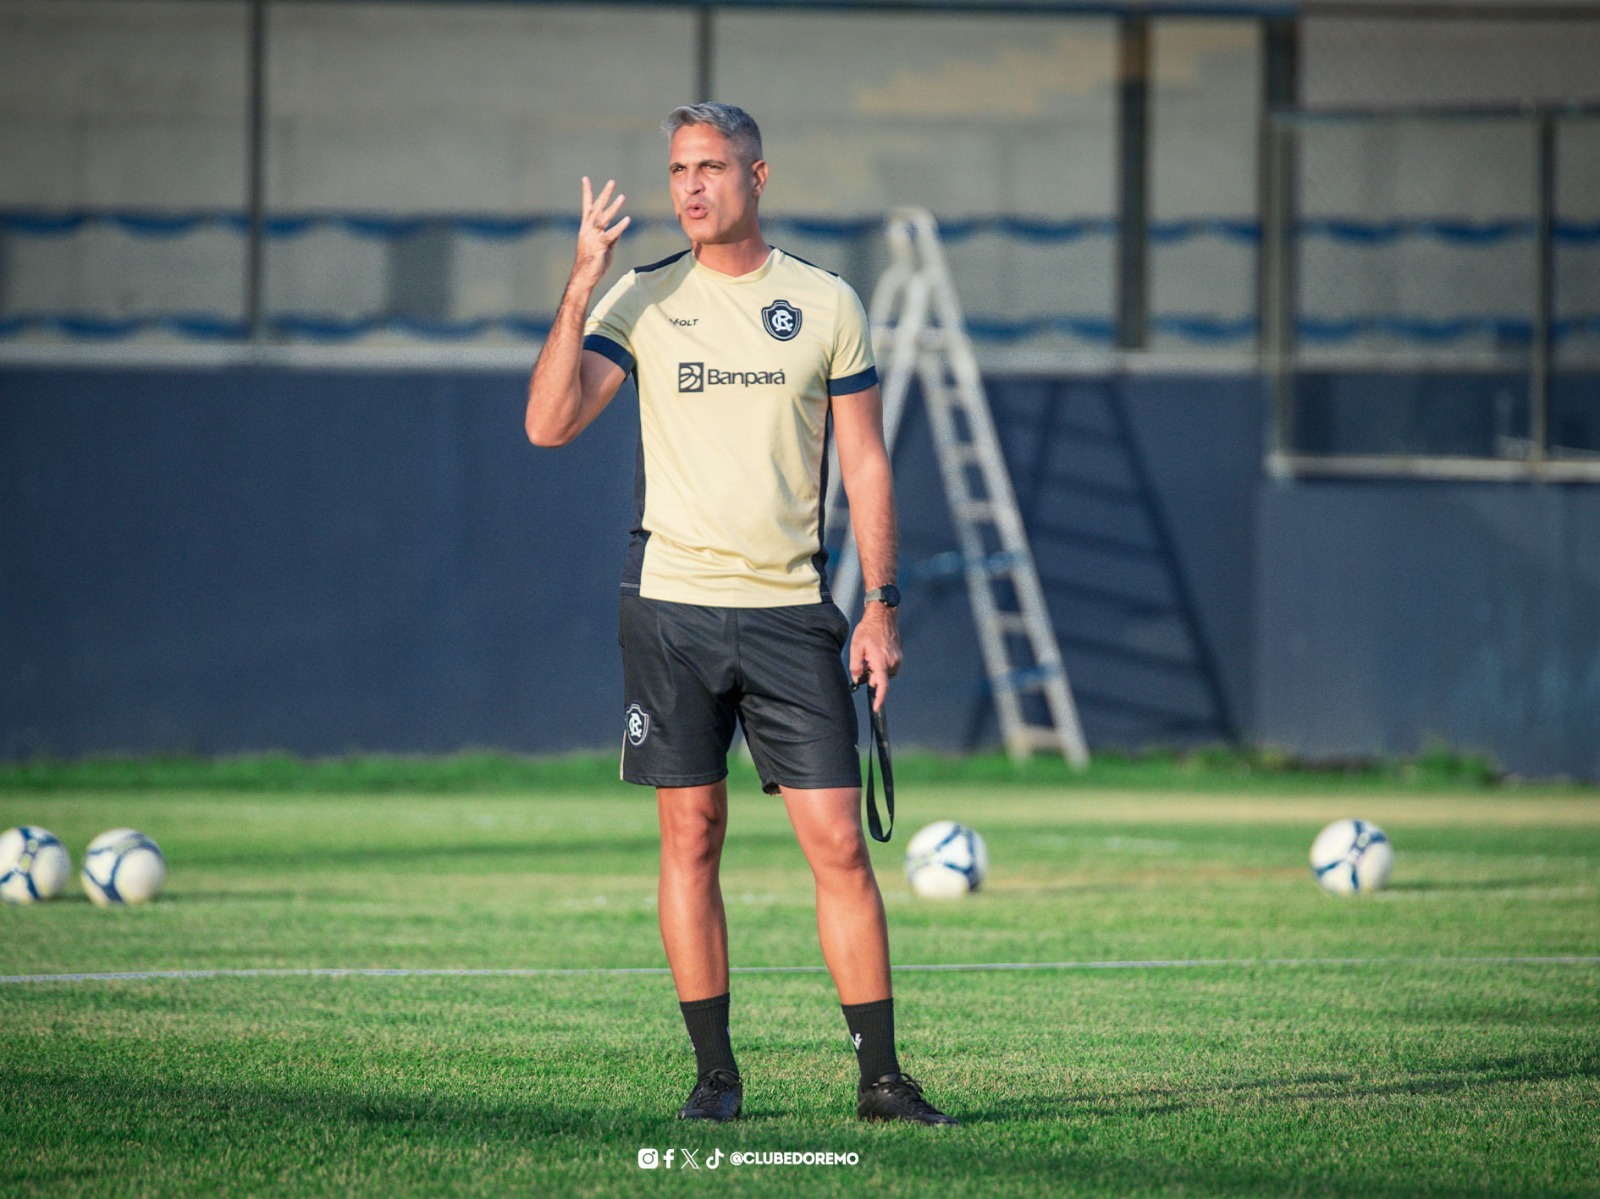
point(851, 384)
point(607, 348)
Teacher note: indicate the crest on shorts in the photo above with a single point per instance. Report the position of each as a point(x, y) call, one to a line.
point(638, 725)
point(782, 319)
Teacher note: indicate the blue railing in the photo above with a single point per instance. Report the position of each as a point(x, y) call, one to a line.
point(25, 222)
point(1197, 328)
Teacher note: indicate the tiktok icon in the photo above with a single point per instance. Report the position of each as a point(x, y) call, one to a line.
point(714, 1160)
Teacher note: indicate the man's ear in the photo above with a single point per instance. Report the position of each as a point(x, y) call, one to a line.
point(758, 173)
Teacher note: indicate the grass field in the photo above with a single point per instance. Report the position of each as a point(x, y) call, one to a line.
point(1254, 1037)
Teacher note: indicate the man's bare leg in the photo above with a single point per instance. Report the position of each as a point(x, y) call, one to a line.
point(694, 924)
point(855, 945)
point(694, 929)
point(850, 919)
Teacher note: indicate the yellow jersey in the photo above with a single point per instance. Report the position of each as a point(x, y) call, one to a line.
point(735, 377)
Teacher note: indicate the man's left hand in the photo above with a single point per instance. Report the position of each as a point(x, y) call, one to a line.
point(875, 650)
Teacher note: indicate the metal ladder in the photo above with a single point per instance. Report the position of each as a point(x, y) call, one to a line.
point(918, 332)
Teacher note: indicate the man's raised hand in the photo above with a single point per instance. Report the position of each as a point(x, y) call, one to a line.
point(596, 233)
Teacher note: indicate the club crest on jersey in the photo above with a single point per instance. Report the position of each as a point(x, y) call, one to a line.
point(782, 319)
point(638, 725)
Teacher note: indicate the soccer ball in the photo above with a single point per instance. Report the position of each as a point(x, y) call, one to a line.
point(123, 866)
point(1352, 856)
point(33, 864)
point(946, 860)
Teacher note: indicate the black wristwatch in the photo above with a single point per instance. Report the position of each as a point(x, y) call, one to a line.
point(888, 595)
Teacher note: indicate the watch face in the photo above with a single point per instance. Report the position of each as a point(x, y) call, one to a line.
point(888, 594)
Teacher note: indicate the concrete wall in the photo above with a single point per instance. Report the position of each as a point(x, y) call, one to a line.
point(229, 559)
point(1143, 546)
point(249, 558)
point(1398, 615)
point(236, 558)
point(500, 108)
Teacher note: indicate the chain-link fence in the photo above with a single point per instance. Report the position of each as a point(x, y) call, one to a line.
point(416, 169)
point(417, 163)
point(1437, 252)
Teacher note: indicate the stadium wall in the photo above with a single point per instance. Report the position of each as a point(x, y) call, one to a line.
point(1393, 615)
point(237, 558)
point(232, 558)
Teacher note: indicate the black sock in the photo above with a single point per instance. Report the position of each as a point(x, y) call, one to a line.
point(872, 1033)
point(707, 1021)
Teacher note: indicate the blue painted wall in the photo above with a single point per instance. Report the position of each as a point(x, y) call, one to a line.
point(251, 558)
point(238, 559)
point(1138, 494)
point(1396, 615)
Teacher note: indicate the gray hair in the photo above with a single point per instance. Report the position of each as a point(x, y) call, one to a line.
point(733, 122)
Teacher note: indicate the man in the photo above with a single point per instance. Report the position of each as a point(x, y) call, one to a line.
point(741, 354)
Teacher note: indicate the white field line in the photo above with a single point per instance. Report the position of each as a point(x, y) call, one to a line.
point(975, 967)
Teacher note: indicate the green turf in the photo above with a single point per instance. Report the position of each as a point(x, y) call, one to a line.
point(485, 772)
point(1301, 1064)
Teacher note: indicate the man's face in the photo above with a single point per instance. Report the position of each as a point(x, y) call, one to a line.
point(714, 190)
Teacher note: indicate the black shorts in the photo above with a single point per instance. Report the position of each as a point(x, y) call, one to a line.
point(689, 672)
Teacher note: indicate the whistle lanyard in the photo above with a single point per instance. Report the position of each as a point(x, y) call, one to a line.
point(879, 750)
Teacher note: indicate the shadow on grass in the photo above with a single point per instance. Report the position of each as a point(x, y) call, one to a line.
point(576, 855)
point(73, 1107)
point(1032, 887)
point(1143, 1102)
point(607, 853)
point(275, 895)
point(76, 1123)
point(1482, 884)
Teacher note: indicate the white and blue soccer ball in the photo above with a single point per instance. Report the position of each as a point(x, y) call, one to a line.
point(946, 860)
point(1352, 857)
point(123, 866)
point(33, 864)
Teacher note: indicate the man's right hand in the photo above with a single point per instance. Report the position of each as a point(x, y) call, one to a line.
point(597, 236)
point(570, 385)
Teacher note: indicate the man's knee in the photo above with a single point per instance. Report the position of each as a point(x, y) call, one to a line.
point(692, 829)
point(840, 849)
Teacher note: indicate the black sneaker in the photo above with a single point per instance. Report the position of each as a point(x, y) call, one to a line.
point(896, 1097)
point(718, 1095)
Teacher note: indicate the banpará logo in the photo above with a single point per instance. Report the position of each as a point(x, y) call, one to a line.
point(697, 376)
point(638, 725)
point(782, 319)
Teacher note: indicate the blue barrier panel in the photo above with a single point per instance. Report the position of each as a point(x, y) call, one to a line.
point(488, 226)
point(1199, 328)
point(222, 559)
point(1195, 328)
